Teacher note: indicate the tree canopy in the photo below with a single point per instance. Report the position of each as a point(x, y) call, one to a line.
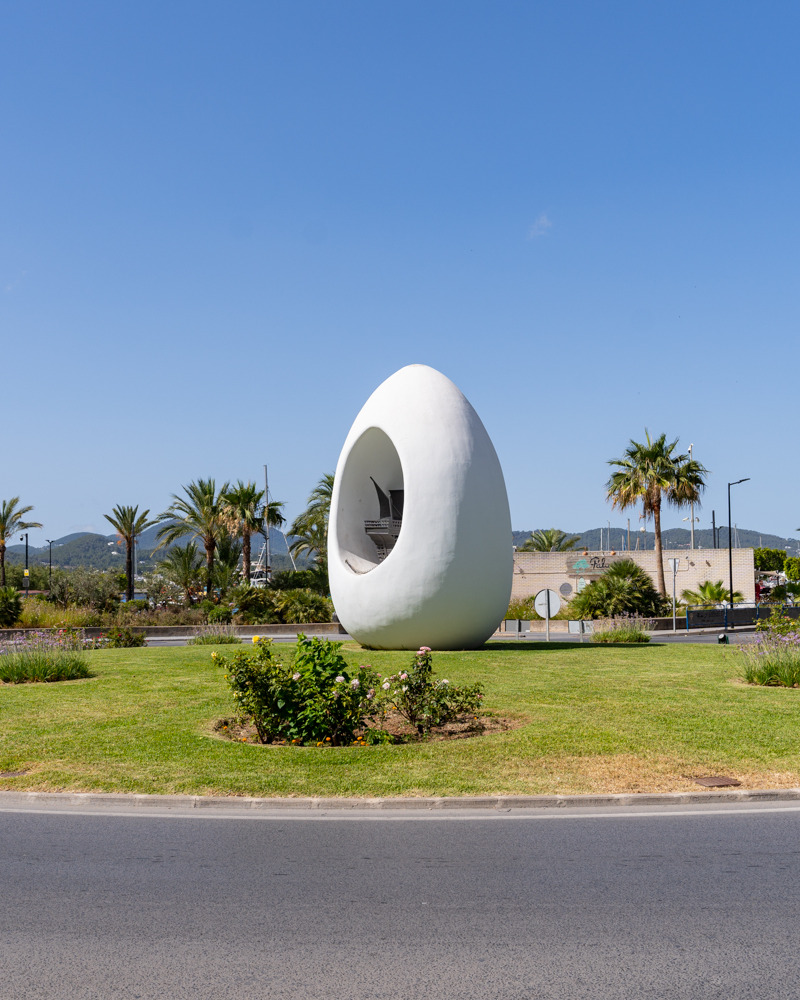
point(650, 472)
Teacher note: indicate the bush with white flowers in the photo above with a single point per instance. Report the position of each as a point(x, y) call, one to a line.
point(426, 702)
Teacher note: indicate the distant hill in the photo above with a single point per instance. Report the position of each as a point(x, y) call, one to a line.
point(84, 548)
point(672, 538)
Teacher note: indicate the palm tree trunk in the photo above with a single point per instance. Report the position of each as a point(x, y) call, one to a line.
point(2, 564)
point(210, 546)
point(246, 555)
point(662, 586)
point(129, 569)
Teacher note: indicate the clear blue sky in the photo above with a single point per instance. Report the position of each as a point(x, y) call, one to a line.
point(224, 224)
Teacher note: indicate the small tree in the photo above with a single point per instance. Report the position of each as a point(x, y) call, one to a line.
point(181, 566)
point(769, 560)
point(624, 589)
point(791, 568)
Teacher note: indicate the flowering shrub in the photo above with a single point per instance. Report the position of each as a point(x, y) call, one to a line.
point(45, 656)
point(123, 638)
point(778, 623)
point(317, 699)
point(426, 702)
point(773, 658)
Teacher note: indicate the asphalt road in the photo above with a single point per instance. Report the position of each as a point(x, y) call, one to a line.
point(648, 903)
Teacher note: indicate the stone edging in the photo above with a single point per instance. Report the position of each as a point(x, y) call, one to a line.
point(8, 799)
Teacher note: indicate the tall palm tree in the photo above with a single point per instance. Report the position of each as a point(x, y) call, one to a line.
point(310, 529)
point(549, 540)
point(246, 516)
point(651, 472)
point(129, 523)
point(200, 514)
point(10, 523)
point(181, 565)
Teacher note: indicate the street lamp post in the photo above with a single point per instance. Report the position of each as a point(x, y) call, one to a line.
point(50, 575)
point(26, 580)
point(730, 539)
point(692, 511)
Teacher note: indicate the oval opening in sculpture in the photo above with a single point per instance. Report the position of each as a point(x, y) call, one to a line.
point(371, 500)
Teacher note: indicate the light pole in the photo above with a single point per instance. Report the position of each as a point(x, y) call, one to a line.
point(692, 511)
point(730, 538)
point(50, 575)
point(26, 580)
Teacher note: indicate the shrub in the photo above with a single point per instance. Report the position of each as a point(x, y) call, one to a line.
point(135, 605)
point(220, 615)
point(123, 638)
point(303, 606)
point(426, 702)
point(772, 659)
point(622, 629)
point(318, 699)
point(38, 613)
point(522, 608)
point(84, 586)
point(624, 589)
point(778, 623)
point(256, 606)
point(10, 606)
point(43, 657)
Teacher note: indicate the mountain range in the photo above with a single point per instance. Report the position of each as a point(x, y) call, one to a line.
point(84, 548)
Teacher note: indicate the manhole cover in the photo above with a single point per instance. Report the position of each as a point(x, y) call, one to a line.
point(12, 774)
point(716, 781)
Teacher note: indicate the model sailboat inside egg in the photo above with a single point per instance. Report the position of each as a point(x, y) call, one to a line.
point(419, 539)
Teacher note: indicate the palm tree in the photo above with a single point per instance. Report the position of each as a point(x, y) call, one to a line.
point(226, 561)
point(200, 514)
point(181, 565)
point(549, 540)
point(310, 529)
point(10, 523)
point(709, 594)
point(649, 472)
point(624, 589)
point(129, 523)
point(245, 509)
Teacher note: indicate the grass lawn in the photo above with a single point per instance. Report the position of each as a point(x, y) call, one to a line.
point(590, 719)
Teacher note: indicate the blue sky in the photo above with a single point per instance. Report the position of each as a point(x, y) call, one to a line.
point(224, 224)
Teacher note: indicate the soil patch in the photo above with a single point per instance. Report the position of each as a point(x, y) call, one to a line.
point(394, 724)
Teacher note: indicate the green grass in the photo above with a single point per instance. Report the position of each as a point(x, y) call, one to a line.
point(590, 718)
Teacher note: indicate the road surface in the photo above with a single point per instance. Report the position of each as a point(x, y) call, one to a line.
point(691, 902)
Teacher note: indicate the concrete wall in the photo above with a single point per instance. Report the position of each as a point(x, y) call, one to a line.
point(564, 571)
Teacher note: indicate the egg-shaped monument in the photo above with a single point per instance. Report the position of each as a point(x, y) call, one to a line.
point(419, 536)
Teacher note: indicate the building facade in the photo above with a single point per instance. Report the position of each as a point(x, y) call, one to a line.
point(568, 572)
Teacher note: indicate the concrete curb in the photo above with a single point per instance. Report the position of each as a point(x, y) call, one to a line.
point(110, 801)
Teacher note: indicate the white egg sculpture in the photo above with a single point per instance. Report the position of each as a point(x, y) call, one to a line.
point(419, 537)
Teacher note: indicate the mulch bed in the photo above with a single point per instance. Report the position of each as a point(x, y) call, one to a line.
point(394, 723)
